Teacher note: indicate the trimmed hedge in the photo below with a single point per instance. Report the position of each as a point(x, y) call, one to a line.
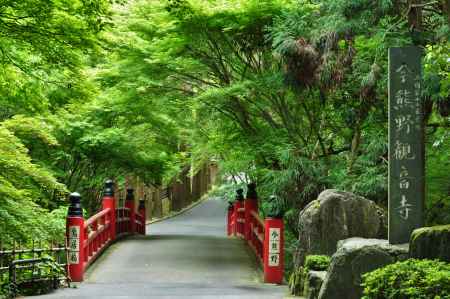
point(418, 279)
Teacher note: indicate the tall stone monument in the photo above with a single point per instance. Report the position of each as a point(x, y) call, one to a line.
point(406, 144)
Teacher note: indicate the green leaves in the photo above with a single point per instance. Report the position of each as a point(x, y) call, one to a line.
point(409, 279)
point(23, 185)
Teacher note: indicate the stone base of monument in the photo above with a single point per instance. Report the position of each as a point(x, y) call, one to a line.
point(353, 258)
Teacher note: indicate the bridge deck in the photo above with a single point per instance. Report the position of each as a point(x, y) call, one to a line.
point(187, 256)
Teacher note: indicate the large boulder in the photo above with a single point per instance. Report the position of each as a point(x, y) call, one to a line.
point(431, 243)
point(334, 216)
point(355, 257)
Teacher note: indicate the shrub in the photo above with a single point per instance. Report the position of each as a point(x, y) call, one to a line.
point(421, 279)
point(317, 262)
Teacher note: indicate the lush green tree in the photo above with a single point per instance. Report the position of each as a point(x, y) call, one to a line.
point(25, 187)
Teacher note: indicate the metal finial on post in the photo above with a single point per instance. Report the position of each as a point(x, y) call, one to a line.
point(251, 191)
point(130, 194)
point(141, 204)
point(130, 204)
point(239, 194)
point(143, 213)
point(250, 205)
point(109, 188)
point(109, 202)
point(75, 205)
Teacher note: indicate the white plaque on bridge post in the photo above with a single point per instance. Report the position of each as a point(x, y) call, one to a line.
point(274, 247)
point(74, 244)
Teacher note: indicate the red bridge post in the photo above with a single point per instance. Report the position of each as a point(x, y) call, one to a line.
point(143, 213)
point(250, 204)
point(109, 202)
point(129, 204)
point(75, 238)
point(239, 216)
point(273, 250)
point(230, 219)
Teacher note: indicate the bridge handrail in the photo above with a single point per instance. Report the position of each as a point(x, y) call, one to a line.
point(139, 222)
point(95, 217)
point(257, 231)
point(96, 235)
point(123, 220)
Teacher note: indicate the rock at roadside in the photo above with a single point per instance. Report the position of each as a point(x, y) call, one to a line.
point(431, 243)
point(337, 215)
point(355, 257)
point(313, 284)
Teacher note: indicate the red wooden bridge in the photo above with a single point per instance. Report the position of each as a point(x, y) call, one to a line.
point(185, 256)
point(88, 239)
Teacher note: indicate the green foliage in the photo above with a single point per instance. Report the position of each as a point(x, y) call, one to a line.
point(23, 186)
point(409, 279)
point(297, 281)
point(42, 50)
point(317, 262)
point(438, 178)
point(227, 191)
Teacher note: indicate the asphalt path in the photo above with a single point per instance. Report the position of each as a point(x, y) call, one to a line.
point(187, 256)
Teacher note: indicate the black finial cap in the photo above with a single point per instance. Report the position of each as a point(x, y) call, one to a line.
point(109, 188)
point(251, 191)
point(75, 205)
point(240, 194)
point(141, 204)
point(130, 194)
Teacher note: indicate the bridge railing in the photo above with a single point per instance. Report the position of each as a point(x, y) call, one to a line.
point(264, 236)
point(123, 222)
point(256, 238)
point(87, 239)
point(24, 263)
point(97, 235)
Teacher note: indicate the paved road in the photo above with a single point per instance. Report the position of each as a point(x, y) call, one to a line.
point(188, 256)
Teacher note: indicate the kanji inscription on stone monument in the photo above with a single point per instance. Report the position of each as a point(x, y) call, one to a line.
point(406, 144)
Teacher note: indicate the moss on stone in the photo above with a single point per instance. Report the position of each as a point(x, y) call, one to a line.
point(431, 242)
point(426, 230)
